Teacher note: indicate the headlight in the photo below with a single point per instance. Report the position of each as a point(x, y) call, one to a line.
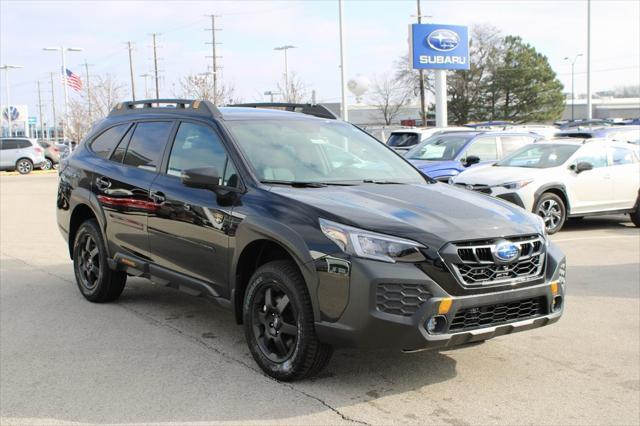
point(361, 243)
point(517, 184)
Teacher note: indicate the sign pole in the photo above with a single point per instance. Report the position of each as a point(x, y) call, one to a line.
point(441, 98)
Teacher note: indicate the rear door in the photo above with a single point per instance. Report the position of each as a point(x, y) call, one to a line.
point(122, 184)
point(9, 153)
point(188, 233)
point(625, 177)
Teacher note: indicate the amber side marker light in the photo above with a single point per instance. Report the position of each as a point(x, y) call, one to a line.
point(445, 306)
point(554, 287)
point(128, 262)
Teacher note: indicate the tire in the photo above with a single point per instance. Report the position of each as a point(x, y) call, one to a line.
point(24, 166)
point(47, 165)
point(552, 210)
point(96, 281)
point(279, 326)
point(635, 216)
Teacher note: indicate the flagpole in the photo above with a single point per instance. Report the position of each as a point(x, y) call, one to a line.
point(66, 97)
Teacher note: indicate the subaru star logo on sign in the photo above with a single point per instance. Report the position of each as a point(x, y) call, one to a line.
point(439, 47)
point(506, 251)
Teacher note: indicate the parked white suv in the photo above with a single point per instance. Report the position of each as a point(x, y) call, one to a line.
point(564, 178)
point(21, 154)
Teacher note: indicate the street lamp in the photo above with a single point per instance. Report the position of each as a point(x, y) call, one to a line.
point(6, 69)
point(63, 76)
point(573, 63)
point(286, 65)
point(271, 93)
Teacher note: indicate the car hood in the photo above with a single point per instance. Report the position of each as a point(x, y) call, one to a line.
point(433, 166)
point(432, 214)
point(498, 175)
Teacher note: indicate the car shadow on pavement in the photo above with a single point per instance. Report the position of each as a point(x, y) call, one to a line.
point(594, 223)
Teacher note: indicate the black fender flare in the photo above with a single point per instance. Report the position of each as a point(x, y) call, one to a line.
point(83, 196)
point(253, 228)
point(556, 186)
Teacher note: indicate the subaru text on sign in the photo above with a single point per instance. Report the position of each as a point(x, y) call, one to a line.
point(435, 46)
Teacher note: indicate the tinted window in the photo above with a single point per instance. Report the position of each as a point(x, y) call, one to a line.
point(196, 146)
point(118, 154)
point(44, 144)
point(511, 144)
point(621, 156)
point(104, 144)
point(9, 144)
point(403, 139)
point(22, 143)
point(484, 148)
point(147, 143)
point(438, 148)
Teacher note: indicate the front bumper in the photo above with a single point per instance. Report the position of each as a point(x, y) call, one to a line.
point(362, 324)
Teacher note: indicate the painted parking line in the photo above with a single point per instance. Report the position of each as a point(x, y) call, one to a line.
point(34, 172)
point(604, 237)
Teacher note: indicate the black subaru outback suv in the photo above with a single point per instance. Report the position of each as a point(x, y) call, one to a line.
point(312, 232)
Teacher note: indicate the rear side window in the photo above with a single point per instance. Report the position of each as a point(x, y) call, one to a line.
point(9, 144)
point(147, 144)
point(620, 156)
point(22, 143)
point(104, 144)
point(403, 139)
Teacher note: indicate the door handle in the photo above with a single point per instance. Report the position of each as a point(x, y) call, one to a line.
point(157, 197)
point(103, 183)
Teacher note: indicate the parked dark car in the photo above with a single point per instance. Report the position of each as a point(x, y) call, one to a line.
point(443, 156)
point(616, 133)
point(248, 207)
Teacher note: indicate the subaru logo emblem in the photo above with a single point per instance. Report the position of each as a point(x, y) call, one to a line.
point(443, 40)
point(506, 251)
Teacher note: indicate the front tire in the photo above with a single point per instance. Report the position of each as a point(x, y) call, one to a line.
point(635, 216)
point(279, 326)
point(24, 166)
point(96, 281)
point(552, 210)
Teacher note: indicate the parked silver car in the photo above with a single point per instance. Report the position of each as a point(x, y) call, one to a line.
point(21, 154)
point(51, 154)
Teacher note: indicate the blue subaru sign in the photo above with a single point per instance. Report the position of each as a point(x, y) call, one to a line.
point(436, 46)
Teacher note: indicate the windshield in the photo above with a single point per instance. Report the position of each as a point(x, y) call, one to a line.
point(403, 140)
point(540, 156)
point(439, 148)
point(322, 151)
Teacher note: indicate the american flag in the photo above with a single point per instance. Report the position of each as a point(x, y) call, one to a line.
point(73, 80)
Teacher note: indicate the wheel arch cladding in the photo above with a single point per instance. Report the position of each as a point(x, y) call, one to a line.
point(81, 213)
point(258, 243)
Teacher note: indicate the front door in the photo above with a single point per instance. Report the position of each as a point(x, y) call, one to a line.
point(591, 190)
point(189, 232)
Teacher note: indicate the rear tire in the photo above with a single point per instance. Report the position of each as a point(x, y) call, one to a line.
point(96, 281)
point(635, 216)
point(24, 166)
point(552, 210)
point(47, 165)
point(279, 325)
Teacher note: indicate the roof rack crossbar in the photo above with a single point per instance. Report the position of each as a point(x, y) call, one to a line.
point(315, 110)
point(201, 107)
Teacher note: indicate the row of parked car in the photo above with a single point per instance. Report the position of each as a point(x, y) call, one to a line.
point(25, 154)
point(557, 174)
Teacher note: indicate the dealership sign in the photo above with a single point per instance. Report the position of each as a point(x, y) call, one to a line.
point(436, 46)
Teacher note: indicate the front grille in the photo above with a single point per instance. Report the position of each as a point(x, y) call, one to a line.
point(502, 313)
point(485, 189)
point(400, 299)
point(474, 264)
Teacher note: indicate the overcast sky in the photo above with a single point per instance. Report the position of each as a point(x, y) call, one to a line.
point(376, 35)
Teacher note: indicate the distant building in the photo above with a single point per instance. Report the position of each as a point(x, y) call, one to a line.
point(604, 108)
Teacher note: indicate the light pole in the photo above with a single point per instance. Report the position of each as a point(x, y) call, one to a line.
point(63, 77)
point(343, 71)
point(271, 93)
point(589, 111)
point(573, 98)
point(146, 86)
point(286, 66)
point(6, 69)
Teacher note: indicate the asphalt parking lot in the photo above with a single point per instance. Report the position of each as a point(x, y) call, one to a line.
point(158, 356)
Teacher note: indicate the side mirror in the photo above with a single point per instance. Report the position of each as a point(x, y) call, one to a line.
point(201, 177)
point(471, 160)
point(583, 166)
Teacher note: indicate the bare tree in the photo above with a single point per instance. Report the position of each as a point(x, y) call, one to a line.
point(296, 91)
point(410, 78)
point(389, 95)
point(200, 86)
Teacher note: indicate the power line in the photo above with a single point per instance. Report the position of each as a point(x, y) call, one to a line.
point(86, 71)
point(133, 86)
point(155, 64)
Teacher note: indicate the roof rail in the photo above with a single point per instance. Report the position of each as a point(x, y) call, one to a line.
point(315, 110)
point(202, 107)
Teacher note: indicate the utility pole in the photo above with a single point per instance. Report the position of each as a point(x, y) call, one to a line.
point(155, 64)
point(214, 57)
point(40, 111)
point(573, 96)
point(589, 112)
point(343, 71)
point(146, 86)
point(6, 69)
point(89, 104)
point(423, 110)
point(133, 86)
point(53, 108)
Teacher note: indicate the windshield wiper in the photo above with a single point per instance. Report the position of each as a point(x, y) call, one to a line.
point(383, 182)
point(295, 184)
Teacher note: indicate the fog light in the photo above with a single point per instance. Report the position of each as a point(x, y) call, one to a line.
point(436, 324)
point(556, 305)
